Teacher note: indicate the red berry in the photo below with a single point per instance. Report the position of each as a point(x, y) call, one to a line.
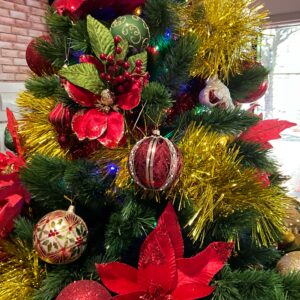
point(111, 70)
point(103, 56)
point(120, 62)
point(108, 77)
point(121, 89)
point(118, 50)
point(111, 59)
point(117, 39)
point(138, 70)
point(116, 68)
point(120, 79)
point(127, 75)
point(139, 63)
point(126, 65)
point(103, 75)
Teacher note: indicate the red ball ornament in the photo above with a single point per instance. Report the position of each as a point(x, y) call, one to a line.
point(35, 61)
point(155, 162)
point(84, 290)
point(60, 237)
point(254, 96)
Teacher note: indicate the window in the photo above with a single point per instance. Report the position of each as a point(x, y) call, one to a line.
point(280, 52)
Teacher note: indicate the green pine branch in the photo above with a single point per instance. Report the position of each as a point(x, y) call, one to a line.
point(50, 179)
point(253, 155)
point(57, 24)
point(160, 15)
point(172, 68)
point(55, 51)
point(156, 100)
point(132, 222)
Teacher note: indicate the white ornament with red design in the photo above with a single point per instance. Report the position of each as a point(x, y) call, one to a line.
point(60, 237)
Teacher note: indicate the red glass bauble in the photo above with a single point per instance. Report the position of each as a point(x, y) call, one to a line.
point(254, 96)
point(35, 61)
point(84, 290)
point(77, 9)
point(155, 163)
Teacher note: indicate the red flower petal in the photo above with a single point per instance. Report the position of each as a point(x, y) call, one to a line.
point(203, 267)
point(169, 220)
point(265, 131)
point(157, 263)
point(115, 130)
point(90, 59)
point(89, 124)
point(81, 96)
point(131, 99)
point(131, 296)
point(119, 278)
point(191, 291)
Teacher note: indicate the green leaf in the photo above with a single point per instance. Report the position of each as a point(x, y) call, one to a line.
point(142, 56)
point(124, 46)
point(101, 39)
point(84, 75)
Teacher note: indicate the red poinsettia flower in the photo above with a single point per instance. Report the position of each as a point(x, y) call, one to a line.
point(101, 119)
point(162, 272)
point(12, 193)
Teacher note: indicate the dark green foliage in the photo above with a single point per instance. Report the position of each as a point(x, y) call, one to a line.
point(24, 229)
point(59, 277)
point(219, 120)
point(250, 285)
point(133, 221)
point(50, 179)
point(80, 38)
point(291, 286)
point(156, 100)
point(254, 156)
point(57, 24)
point(55, 281)
point(173, 68)
point(44, 86)
point(231, 228)
point(242, 85)
point(160, 15)
point(56, 51)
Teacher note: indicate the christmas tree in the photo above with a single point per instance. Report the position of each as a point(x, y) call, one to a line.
point(134, 170)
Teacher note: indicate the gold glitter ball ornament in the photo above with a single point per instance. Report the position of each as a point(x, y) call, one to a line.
point(290, 262)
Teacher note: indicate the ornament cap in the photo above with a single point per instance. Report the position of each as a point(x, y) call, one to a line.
point(71, 209)
point(156, 132)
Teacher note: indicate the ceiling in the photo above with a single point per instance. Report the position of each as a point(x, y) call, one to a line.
point(277, 7)
point(283, 11)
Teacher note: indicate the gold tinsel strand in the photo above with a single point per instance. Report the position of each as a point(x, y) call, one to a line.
point(20, 273)
point(228, 31)
point(216, 185)
point(38, 134)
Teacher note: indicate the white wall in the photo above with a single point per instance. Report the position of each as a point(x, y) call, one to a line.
point(8, 94)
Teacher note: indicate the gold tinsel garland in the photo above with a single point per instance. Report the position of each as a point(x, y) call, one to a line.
point(215, 184)
point(20, 273)
point(37, 133)
point(228, 31)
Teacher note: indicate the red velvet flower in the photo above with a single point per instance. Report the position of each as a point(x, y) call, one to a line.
point(101, 118)
point(163, 273)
